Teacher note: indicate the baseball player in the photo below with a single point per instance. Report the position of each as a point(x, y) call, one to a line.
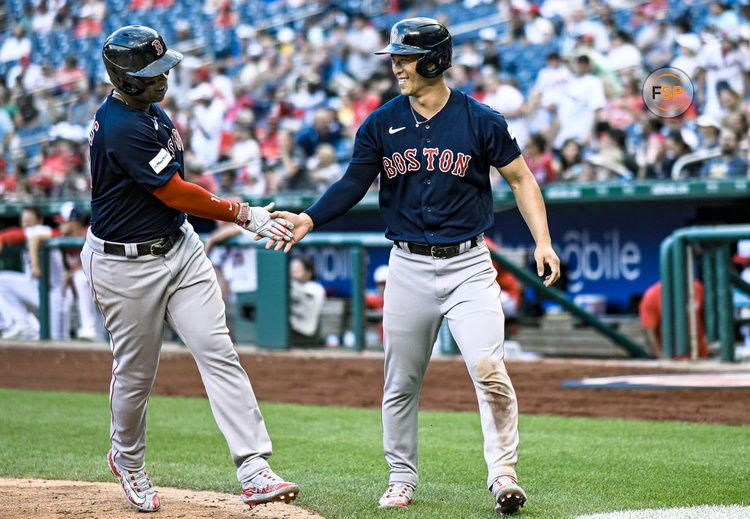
point(433, 147)
point(19, 291)
point(145, 264)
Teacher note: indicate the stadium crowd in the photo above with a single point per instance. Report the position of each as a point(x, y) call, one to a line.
point(270, 94)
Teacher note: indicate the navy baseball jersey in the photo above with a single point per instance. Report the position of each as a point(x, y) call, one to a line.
point(434, 177)
point(132, 153)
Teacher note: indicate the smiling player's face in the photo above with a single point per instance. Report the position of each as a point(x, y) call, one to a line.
point(405, 69)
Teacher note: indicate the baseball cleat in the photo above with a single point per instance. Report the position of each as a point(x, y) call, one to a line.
point(267, 487)
point(509, 496)
point(136, 487)
point(398, 495)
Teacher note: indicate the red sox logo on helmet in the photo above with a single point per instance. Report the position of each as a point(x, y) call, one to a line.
point(158, 46)
point(394, 34)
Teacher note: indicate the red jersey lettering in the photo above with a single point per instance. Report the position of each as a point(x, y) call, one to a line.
point(462, 164)
point(430, 154)
point(412, 164)
point(446, 161)
point(400, 163)
point(390, 170)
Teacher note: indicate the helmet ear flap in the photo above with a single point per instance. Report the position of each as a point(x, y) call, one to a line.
point(434, 63)
point(132, 86)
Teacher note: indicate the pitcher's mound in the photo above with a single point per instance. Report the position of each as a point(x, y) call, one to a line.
point(47, 499)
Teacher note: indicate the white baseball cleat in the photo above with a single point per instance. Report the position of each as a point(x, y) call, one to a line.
point(267, 487)
point(509, 496)
point(398, 495)
point(136, 487)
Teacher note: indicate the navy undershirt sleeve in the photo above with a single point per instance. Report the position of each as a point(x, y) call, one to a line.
point(344, 194)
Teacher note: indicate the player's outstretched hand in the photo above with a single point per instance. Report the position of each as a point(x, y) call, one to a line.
point(545, 255)
point(302, 225)
point(259, 220)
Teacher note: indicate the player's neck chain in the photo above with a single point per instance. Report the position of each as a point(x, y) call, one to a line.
point(417, 124)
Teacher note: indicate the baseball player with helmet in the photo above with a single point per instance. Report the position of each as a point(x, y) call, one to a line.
point(433, 148)
point(145, 265)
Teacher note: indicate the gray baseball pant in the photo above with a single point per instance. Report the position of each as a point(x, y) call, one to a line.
point(136, 295)
point(419, 291)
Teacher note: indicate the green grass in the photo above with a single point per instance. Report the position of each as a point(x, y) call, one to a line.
point(568, 466)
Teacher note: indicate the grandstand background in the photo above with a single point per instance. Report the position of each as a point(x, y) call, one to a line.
point(270, 94)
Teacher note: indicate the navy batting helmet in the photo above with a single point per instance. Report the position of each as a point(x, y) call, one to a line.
point(422, 36)
point(135, 52)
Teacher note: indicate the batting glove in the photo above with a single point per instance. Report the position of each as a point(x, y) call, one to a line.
point(258, 220)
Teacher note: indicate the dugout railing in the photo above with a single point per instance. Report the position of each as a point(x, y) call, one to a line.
point(272, 299)
point(680, 253)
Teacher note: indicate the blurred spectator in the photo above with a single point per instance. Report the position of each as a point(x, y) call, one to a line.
point(323, 168)
point(689, 45)
point(674, 148)
point(708, 131)
point(650, 314)
point(291, 165)
point(538, 30)
point(16, 46)
point(740, 123)
point(546, 93)
point(43, 19)
point(362, 40)
point(730, 164)
point(59, 159)
point(488, 48)
point(623, 56)
point(623, 112)
point(325, 128)
point(306, 300)
point(655, 38)
point(90, 18)
point(722, 17)
point(235, 265)
point(72, 223)
point(571, 161)
point(720, 60)
point(19, 291)
point(25, 75)
point(206, 124)
point(71, 76)
point(245, 149)
point(504, 96)
point(539, 159)
point(729, 100)
point(579, 106)
point(227, 17)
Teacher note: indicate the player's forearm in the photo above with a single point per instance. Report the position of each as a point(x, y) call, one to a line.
point(344, 194)
point(528, 198)
point(193, 199)
point(531, 205)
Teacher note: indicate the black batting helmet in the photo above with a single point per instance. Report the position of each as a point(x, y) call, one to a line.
point(135, 52)
point(422, 36)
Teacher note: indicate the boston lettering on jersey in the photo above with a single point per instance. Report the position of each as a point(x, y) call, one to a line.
point(446, 161)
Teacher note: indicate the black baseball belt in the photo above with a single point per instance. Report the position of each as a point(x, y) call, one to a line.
point(157, 247)
point(445, 251)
